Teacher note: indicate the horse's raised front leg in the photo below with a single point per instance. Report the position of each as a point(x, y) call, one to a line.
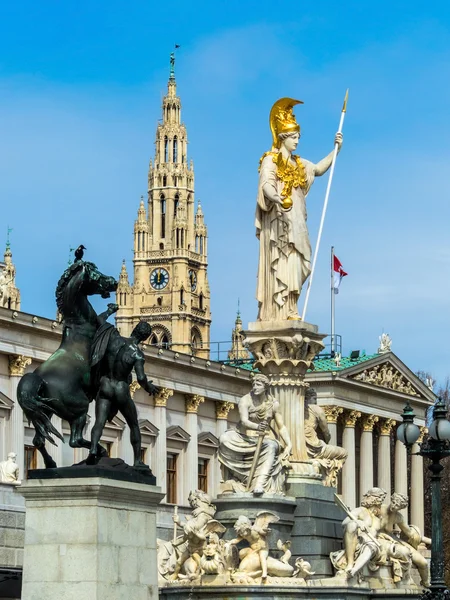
point(39, 443)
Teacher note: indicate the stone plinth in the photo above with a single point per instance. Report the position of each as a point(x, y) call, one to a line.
point(231, 507)
point(90, 538)
point(316, 591)
point(317, 527)
point(12, 533)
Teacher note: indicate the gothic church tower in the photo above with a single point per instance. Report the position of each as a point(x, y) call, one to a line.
point(170, 288)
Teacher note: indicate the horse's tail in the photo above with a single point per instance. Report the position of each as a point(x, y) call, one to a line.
point(37, 409)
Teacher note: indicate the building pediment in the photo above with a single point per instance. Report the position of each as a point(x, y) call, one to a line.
point(147, 428)
point(208, 439)
point(177, 434)
point(116, 423)
point(5, 402)
point(389, 372)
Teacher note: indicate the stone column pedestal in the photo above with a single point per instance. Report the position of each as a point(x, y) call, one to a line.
point(284, 351)
point(90, 538)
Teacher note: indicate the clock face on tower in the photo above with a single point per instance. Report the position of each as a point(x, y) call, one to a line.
point(193, 279)
point(159, 278)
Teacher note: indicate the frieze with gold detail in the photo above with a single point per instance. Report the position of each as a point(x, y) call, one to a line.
point(387, 376)
point(163, 395)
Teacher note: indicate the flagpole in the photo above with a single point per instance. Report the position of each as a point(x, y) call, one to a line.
point(333, 296)
point(325, 205)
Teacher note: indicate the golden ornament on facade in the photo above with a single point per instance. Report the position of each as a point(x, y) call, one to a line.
point(386, 426)
point(193, 401)
point(134, 386)
point(369, 421)
point(351, 417)
point(162, 396)
point(423, 432)
point(332, 413)
point(17, 364)
point(222, 410)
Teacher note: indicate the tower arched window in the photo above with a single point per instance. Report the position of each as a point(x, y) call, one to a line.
point(165, 341)
point(182, 238)
point(200, 301)
point(153, 340)
point(201, 244)
point(163, 215)
point(175, 149)
point(164, 181)
point(166, 149)
point(178, 238)
point(196, 243)
point(175, 204)
point(181, 296)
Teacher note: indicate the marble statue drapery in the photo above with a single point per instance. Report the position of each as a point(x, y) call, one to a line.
point(284, 246)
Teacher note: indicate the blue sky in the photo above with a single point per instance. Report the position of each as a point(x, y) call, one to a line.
point(80, 93)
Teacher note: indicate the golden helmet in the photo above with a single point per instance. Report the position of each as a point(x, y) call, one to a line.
point(282, 119)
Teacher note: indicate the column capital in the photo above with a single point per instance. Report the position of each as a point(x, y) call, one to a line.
point(332, 413)
point(17, 364)
point(369, 421)
point(134, 386)
point(222, 410)
point(423, 432)
point(386, 426)
point(192, 402)
point(350, 417)
point(162, 396)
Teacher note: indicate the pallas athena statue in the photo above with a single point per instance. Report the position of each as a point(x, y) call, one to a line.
point(284, 247)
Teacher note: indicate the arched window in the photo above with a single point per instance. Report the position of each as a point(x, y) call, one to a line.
point(178, 238)
point(166, 149)
point(164, 181)
point(201, 244)
point(159, 301)
point(182, 296)
point(153, 340)
point(125, 298)
point(182, 238)
point(175, 149)
point(175, 204)
point(196, 243)
point(200, 301)
point(163, 216)
point(161, 246)
point(165, 341)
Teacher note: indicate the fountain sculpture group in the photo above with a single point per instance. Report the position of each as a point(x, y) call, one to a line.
point(275, 523)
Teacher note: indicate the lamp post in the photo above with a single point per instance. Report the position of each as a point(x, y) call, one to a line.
point(435, 447)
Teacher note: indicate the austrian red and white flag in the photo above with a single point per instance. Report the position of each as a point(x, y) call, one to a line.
point(339, 273)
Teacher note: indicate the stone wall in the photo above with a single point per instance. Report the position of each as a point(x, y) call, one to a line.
point(12, 533)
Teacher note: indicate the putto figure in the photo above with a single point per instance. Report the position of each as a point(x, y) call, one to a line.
point(253, 460)
point(285, 250)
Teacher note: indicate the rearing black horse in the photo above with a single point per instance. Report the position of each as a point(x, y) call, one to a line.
point(61, 385)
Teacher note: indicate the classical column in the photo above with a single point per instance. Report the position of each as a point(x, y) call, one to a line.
point(384, 455)
point(192, 402)
point(366, 454)
point(416, 500)
point(349, 468)
point(159, 467)
point(332, 413)
point(17, 365)
point(222, 410)
point(401, 472)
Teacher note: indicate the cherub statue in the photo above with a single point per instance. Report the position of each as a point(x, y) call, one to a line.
point(255, 561)
point(181, 558)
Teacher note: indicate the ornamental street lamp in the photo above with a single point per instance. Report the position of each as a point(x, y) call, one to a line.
point(435, 447)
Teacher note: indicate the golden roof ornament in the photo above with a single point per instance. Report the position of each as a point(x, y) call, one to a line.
point(282, 119)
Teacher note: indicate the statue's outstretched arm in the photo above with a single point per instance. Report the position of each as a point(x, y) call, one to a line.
point(142, 379)
point(323, 165)
point(104, 316)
